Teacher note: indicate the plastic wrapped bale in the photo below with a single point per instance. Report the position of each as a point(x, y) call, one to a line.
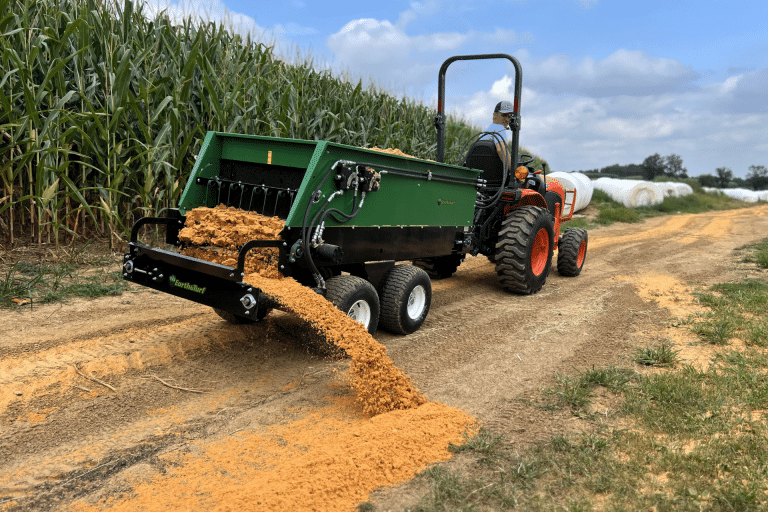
point(630, 193)
point(741, 194)
point(667, 188)
point(683, 189)
point(762, 195)
point(575, 181)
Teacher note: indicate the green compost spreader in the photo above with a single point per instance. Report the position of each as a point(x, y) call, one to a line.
point(365, 228)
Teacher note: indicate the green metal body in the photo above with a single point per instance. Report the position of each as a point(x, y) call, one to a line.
point(400, 201)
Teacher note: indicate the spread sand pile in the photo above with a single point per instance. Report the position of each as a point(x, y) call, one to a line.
point(217, 232)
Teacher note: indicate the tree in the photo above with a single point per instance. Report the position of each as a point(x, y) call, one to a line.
point(653, 166)
point(724, 176)
point(757, 177)
point(708, 180)
point(674, 166)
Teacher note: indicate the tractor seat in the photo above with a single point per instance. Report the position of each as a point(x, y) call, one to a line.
point(482, 155)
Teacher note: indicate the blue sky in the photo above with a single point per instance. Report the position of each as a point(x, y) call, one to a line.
point(604, 82)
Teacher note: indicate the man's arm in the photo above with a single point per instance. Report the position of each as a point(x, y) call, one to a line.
point(504, 153)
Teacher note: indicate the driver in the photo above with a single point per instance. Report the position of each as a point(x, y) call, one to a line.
point(497, 131)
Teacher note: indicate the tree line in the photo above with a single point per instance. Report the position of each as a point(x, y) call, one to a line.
point(671, 166)
point(652, 167)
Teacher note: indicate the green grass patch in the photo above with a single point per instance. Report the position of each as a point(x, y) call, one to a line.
point(758, 254)
point(34, 284)
point(662, 355)
point(689, 438)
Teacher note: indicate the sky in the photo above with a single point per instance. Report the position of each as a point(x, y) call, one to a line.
point(604, 82)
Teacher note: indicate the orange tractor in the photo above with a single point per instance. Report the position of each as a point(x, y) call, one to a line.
point(518, 213)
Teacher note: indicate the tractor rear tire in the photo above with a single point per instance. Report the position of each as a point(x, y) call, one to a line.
point(406, 294)
point(524, 250)
point(242, 320)
point(572, 251)
point(440, 267)
point(356, 297)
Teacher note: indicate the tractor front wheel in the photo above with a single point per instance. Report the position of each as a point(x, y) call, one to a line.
point(356, 297)
point(571, 252)
point(524, 250)
point(406, 294)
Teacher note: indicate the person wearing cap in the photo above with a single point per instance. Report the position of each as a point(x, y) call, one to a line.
point(497, 130)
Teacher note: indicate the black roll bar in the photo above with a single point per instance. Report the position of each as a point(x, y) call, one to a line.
point(514, 123)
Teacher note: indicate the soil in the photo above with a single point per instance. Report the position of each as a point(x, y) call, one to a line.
point(149, 402)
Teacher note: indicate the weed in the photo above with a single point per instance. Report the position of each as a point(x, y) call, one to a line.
point(484, 442)
point(662, 355)
point(758, 254)
point(717, 331)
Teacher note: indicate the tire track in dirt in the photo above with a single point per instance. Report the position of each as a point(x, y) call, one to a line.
point(481, 349)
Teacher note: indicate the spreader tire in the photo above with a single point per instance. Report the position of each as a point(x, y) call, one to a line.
point(356, 297)
point(572, 251)
point(406, 294)
point(440, 267)
point(241, 320)
point(524, 250)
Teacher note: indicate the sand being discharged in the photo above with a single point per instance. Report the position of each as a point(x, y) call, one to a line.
point(218, 233)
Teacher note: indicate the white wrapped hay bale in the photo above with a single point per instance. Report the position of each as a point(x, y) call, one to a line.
point(741, 194)
point(762, 195)
point(630, 193)
point(578, 182)
point(683, 189)
point(667, 188)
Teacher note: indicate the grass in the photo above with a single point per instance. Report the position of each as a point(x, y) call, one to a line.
point(683, 438)
point(663, 355)
point(758, 254)
point(78, 276)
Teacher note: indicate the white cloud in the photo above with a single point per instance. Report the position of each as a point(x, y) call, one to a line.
point(215, 10)
point(584, 132)
point(386, 54)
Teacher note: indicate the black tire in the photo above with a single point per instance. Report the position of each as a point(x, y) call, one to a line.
point(406, 294)
point(524, 250)
point(572, 252)
point(440, 267)
point(354, 296)
point(241, 320)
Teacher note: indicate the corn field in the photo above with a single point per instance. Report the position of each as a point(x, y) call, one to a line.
point(103, 109)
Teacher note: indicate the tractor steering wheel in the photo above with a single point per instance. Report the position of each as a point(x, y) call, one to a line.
point(524, 159)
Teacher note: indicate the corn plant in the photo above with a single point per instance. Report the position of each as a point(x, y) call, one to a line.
point(103, 109)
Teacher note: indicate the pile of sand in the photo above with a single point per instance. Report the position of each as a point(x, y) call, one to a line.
point(216, 233)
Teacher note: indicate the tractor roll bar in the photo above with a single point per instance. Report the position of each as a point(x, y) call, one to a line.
point(514, 123)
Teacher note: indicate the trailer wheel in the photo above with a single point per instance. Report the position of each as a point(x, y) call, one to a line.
point(524, 250)
point(239, 320)
point(406, 294)
point(440, 267)
point(572, 252)
point(356, 297)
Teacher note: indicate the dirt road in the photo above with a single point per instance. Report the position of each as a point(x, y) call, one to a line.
point(148, 401)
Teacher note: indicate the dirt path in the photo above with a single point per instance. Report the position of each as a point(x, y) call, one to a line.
point(254, 399)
